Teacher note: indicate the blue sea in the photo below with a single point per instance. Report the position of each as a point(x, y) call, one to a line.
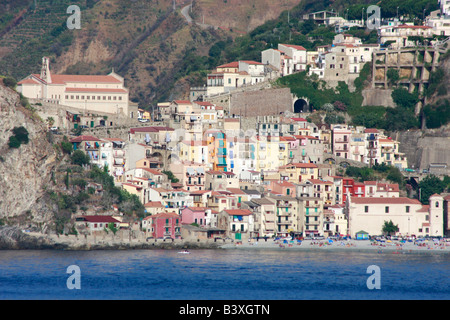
point(221, 275)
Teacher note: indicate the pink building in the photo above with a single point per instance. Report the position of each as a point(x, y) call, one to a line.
point(284, 188)
point(198, 215)
point(165, 225)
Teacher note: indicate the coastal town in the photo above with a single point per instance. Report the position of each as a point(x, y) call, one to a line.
point(227, 166)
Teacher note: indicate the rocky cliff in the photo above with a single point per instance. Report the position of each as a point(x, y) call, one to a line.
point(25, 172)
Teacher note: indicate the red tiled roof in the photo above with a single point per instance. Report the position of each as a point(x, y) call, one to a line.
point(154, 204)
point(28, 81)
point(238, 212)
point(91, 90)
point(64, 78)
point(84, 138)
point(293, 46)
point(182, 101)
point(165, 215)
point(251, 62)
point(234, 64)
point(100, 219)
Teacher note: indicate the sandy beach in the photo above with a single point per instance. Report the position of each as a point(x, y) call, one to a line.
point(393, 247)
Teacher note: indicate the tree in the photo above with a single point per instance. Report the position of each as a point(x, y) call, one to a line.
point(13, 142)
point(171, 176)
point(389, 227)
point(393, 76)
point(403, 98)
point(112, 227)
point(429, 186)
point(80, 158)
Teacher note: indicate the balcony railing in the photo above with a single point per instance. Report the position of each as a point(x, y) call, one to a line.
point(285, 222)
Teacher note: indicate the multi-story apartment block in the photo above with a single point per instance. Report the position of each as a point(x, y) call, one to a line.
point(287, 214)
point(341, 140)
point(264, 216)
point(298, 172)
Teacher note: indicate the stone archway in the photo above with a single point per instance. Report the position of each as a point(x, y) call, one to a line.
point(301, 105)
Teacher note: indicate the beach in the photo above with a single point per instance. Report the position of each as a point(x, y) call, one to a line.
point(395, 247)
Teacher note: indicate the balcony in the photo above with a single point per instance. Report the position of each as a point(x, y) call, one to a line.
point(313, 213)
point(284, 205)
point(285, 222)
point(312, 222)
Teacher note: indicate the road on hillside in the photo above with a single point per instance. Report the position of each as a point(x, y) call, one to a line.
point(185, 13)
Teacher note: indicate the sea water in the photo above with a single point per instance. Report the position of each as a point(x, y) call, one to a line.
point(222, 275)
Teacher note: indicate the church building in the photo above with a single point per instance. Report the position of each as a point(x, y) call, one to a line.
point(90, 93)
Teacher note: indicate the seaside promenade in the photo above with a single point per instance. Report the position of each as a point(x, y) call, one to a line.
point(118, 242)
point(388, 246)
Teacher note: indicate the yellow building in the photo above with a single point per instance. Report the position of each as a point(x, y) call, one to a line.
point(298, 172)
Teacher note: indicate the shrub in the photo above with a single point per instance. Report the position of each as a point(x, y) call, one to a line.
point(13, 142)
point(80, 158)
point(10, 82)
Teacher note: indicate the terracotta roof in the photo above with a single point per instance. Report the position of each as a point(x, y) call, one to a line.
point(182, 101)
point(28, 81)
point(370, 130)
point(100, 219)
point(238, 212)
point(154, 204)
point(293, 46)
point(84, 138)
point(152, 171)
point(251, 62)
point(89, 90)
point(165, 215)
point(234, 64)
point(64, 78)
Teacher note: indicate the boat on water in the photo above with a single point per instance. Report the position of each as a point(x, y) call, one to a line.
point(184, 252)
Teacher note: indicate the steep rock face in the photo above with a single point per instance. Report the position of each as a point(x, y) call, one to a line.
point(24, 172)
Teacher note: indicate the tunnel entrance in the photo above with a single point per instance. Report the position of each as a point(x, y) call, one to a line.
point(301, 106)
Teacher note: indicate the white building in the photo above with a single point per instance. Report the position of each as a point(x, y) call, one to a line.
point(93, 93)
point(411, 217)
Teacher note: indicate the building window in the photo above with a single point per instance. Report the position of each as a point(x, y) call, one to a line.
point(386, 209)
point(437, 204)
point(366, 209)
point(407, 209)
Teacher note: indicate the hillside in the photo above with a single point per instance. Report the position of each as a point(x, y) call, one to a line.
point(147, 42)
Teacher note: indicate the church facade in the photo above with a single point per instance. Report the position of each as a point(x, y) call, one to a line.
point(91, 93)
